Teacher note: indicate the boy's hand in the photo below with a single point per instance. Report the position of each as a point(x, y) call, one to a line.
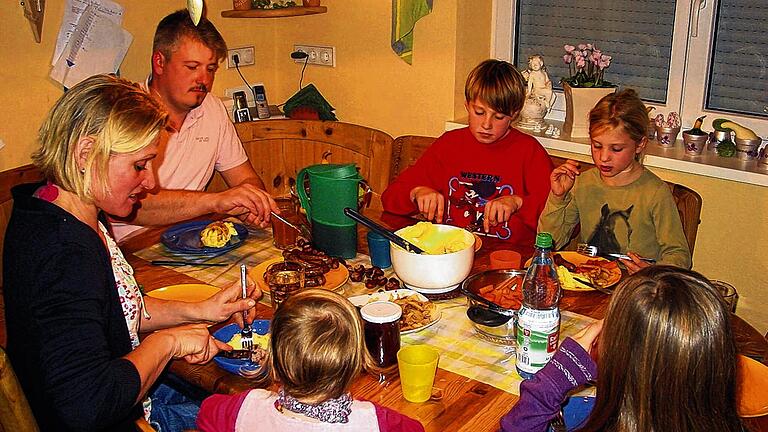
point(500, 210)
point(563, 177)
point(430, 202)
point(635, 265)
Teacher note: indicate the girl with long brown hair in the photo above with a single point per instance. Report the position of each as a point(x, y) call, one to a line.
point(666, 361)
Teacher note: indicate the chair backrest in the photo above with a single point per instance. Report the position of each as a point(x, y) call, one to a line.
point(15, 413)
point(688, 204)
point(278, 149)
point(406, 150)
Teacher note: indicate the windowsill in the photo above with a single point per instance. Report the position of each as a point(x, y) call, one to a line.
point(708, 164)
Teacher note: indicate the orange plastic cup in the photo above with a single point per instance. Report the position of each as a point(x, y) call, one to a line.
point(505, 259)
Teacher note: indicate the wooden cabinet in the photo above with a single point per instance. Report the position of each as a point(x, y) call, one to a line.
point(279, 149)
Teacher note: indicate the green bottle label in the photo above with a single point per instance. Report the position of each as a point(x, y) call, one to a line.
point(538, 333)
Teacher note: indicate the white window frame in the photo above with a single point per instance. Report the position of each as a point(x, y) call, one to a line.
point(688, 68)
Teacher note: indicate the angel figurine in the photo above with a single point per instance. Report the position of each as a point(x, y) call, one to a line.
point(539, 97)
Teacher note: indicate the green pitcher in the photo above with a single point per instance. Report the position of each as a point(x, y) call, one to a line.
point(332, 187)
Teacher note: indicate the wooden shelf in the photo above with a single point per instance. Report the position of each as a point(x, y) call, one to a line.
point(274, 13)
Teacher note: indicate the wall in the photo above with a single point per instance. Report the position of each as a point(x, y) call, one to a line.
point(369, 86)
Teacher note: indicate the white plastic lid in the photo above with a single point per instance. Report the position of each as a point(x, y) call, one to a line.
point(381, 312)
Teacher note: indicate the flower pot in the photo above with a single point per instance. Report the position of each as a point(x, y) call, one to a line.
point(578, 102)
point(746, 149)
point(313, 3)
point(667, 136)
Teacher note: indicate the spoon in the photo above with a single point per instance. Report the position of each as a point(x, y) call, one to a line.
point(394, 238)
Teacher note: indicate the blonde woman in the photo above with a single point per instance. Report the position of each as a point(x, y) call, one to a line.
point(73, 308)
point(316, 353)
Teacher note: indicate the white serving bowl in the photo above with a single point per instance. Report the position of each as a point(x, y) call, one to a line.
point(434, 274)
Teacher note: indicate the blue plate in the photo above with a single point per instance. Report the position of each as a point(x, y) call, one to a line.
point(185, 238)
point(237, 366)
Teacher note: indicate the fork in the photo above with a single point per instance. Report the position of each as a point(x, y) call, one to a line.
point(246, 334)
point(591, 251)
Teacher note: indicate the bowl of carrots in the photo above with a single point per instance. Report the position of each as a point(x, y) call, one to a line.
point(494, 297)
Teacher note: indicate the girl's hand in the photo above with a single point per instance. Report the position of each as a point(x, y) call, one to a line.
point(500, 210)
point(230, 301)
point(194, 343)
point(587, 338)
point(636, 264)
point(430, 202)
point(563, 177)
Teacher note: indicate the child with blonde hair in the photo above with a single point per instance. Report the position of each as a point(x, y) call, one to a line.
point(487, 177)
point(622, 206)
point(317, 350)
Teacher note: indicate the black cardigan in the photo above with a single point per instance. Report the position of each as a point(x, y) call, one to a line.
point(66, 329)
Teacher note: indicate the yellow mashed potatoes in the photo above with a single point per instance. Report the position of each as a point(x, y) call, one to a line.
point(217, 234)
point(258, 340)
point(570, 281)
point(426, 236)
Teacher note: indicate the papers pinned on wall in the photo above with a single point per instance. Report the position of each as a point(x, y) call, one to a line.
point(91, 40)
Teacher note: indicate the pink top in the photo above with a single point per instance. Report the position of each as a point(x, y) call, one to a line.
point(206, 141)
point(255, 410)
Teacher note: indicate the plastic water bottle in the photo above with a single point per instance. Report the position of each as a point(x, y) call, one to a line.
point(538, 322)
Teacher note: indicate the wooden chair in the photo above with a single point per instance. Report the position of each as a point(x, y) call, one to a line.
point(15, 413)
point(406, 150)
point(278, 149)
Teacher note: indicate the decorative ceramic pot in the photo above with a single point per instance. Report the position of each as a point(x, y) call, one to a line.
point(578, 102)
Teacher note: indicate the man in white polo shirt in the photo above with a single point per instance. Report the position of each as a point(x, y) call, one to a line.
point(202, 138)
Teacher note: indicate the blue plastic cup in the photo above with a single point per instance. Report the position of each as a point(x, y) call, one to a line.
point(378, 248)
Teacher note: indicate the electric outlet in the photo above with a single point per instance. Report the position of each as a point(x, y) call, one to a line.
point(245, 56)
point(318, 55)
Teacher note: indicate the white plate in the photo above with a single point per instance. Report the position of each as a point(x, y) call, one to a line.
point(362, 300)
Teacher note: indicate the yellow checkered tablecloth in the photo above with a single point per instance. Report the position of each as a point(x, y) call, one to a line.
point(462, 351)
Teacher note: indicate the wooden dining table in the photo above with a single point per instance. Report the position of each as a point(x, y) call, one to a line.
point(465, 405)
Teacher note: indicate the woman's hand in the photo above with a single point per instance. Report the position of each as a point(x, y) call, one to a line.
point(230, 301)
point(587, 338)
point(636, 264)
point(430, 202)
point(563, 177)
point(500, 210)
point(194, 343)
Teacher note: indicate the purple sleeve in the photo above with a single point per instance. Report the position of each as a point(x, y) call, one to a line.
point(392, 421)
point(218, 413)
point(542, 396)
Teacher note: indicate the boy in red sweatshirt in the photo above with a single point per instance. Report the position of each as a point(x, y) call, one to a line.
point(488, 175)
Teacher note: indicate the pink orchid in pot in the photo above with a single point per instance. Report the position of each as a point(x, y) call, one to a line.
point(584, 87)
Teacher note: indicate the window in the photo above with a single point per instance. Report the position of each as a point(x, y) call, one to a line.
point(709, 57)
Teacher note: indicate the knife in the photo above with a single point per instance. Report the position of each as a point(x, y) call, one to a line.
point(186, 263)
point(592, 285)
point(626, 257)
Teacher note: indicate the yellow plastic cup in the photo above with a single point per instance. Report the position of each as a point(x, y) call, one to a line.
point(417, 365)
